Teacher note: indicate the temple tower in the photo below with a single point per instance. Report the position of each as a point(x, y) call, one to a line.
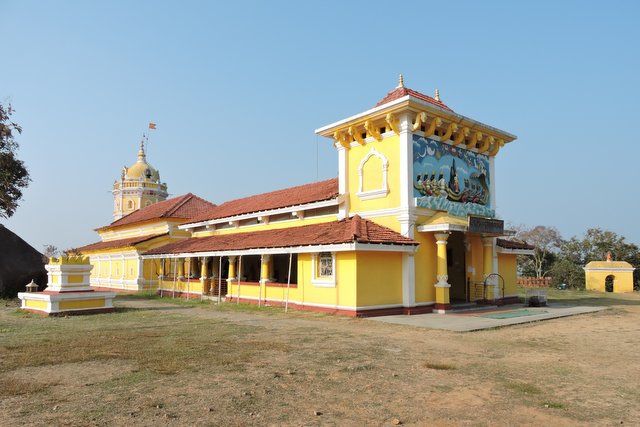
point(139, 186)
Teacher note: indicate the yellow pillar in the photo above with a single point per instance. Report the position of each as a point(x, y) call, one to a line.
point(264, 275)
point(204, 274)
point(232, 269)
point(264, 267)
point(442, 286)
point(487, 266)
point(180, 265)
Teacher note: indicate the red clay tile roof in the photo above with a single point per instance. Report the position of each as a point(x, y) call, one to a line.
point(512, 244)
point(183, 207)
point(351, 230)
point(399, 92)
point(302, 194)
point(115, 244)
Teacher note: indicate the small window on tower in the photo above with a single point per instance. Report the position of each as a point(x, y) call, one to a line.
point(147, 203)
point(131, 205)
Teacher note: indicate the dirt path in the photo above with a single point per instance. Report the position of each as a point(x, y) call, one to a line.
point(156, 362)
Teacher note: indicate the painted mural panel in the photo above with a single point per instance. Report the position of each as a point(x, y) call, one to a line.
point(451, 179)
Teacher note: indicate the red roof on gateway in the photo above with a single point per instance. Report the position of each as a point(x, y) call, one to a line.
point(351, 230)
point(183, 207)
point(293, 196)
point(399, 92)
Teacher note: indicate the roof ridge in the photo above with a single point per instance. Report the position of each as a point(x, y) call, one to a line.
point(283, 197)
point(279, 190)
point(177, 205)
point(403, 91)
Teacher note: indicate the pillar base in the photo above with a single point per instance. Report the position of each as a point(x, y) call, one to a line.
point(441, 308)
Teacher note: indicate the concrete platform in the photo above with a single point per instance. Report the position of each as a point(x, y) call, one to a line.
point(473, 320)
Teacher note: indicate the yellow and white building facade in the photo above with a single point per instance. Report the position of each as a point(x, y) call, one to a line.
point(408, 226)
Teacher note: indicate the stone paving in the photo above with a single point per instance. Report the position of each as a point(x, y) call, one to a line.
point(471, 320)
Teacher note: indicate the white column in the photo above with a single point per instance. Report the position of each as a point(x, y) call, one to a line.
point(408, 280)
point(343, 181)
point(492, 183)
point(406, 162)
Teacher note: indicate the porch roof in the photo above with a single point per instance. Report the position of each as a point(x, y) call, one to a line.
point(347, 231)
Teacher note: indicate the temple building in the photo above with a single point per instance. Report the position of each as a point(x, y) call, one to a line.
point(408, 226)
point(143, 219)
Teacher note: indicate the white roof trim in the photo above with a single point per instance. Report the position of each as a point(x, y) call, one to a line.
point(502, 250)
point(342, 247)
point(459, 118)
point(441, 227)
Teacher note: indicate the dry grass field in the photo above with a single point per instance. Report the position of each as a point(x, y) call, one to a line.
point(175, 363)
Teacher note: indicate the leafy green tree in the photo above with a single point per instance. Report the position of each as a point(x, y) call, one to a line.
point(13, 174)
point(596, 244)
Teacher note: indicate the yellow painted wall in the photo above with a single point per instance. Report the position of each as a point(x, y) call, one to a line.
point(182, 286)
point(425, 267)
point(135, 230)
point(271, 226)
point(75, 278)
point(36, 305)
point(508, 269)
point(105, 269)
point(622, 282)
point(475, 260)
point(372, 176)
point(80, 304)
point(379, 278)
point(343, 294)
point(388, 147)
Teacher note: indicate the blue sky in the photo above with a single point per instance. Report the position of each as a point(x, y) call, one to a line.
point(237, 89)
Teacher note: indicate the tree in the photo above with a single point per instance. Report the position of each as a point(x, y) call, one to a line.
point(13, 174)
point(596, 244)
point(547, 242)
point(50, 251)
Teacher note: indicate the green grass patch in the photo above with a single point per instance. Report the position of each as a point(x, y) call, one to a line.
point(553, 405)
point(524, 388)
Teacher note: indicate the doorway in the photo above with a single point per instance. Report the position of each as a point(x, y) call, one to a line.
point(456, 267)
point(608, 283)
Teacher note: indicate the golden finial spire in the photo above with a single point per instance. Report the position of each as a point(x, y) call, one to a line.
point(400, 82)
point(141, 155)
point(437, 97)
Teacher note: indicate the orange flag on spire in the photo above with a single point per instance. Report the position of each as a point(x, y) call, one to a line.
point(152, 125)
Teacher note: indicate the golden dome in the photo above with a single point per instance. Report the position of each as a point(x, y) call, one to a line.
point(141, 169)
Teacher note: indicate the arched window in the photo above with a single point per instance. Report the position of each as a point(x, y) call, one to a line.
point(373, 172)
point(131, 205)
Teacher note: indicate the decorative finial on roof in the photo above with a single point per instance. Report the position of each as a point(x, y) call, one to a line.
point(437, 97)
point(141, 155)
point(609, 257)
point(400, 82)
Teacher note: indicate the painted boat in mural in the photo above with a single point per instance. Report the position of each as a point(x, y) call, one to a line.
point(475, 189)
